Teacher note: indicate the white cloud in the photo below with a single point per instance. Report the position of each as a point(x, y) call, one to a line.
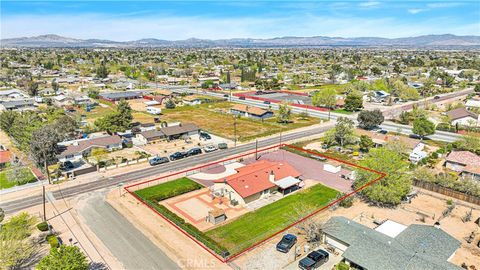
point(416, 10)
point(174, 28)
point(369, 4)
point(443, 4)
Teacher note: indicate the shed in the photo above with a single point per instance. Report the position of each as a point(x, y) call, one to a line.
point(216, 216)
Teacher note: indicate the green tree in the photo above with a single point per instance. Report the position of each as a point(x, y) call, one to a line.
point(119, 120)
point(370, 119)
point(44, 148)
point(16, 246)
point(325, 98)
point(422, 127)
point(344, 133)
point(64, 258)
point(396, 184)
point(55, 85)
point(353, 101)
point(170, 104)
point(7, 119)
point(477, 88)
point(102, 71)
point(284, 113)
point(366, 143)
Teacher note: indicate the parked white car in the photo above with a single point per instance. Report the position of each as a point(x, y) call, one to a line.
point(210, 148)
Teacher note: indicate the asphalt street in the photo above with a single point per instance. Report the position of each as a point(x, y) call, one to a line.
point(126, 243)
point(17, 205)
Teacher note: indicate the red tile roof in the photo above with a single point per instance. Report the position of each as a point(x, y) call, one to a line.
point(5, 156)
point(254, 178)
point(465, 158)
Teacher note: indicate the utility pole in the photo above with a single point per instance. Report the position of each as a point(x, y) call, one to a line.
point(44, 208)
point(256, 149)
point(235, 131)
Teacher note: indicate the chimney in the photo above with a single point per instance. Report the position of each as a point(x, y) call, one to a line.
point(271, 177)
point(436, 225)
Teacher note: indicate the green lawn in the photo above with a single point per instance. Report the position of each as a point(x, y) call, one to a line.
point(342, 111)
point(262, 223)
point(25, 174)
point(168, 189)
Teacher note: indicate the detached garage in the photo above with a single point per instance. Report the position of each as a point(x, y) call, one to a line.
point(330, 240)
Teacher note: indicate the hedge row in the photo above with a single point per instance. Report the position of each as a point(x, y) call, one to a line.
point(189, 228)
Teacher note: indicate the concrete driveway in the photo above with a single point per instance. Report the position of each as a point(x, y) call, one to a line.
point(125, 242)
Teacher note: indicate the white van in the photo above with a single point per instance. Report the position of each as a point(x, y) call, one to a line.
point(154, 110)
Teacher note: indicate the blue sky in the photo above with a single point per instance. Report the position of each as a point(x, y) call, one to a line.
point(172, 20)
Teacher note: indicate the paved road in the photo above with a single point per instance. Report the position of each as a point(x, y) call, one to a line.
point(17, 205)
point(129, 245)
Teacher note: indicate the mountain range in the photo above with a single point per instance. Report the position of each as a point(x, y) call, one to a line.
point(429, 41)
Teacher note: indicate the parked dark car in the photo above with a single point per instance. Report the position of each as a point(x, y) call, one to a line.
point(194, 151)
point(383, 131)
point(313, 260)
point(177, 155)
point(67, 165)
point(436, 97)
point(225, 95)
point(266, 102)
point(287, 242)
point(158, 160)
point(242, 98)
point(222, 145)
point(205, 136)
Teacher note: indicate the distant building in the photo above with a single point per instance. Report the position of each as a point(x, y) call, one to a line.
point(250, 111)
point(117, 96)
point(18, 105)
point(463, 117)
point(380, 96)
point(12, 94)
point(465, 162)
point(391, 245)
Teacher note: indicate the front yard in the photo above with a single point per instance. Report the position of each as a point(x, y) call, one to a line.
point(213, 117)
point(262, 223)
point(23, 176)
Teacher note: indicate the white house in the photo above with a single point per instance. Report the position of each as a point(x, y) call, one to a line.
point(463, 117)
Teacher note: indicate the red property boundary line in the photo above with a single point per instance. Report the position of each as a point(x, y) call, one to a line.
point(226, 260)
point(303, 106)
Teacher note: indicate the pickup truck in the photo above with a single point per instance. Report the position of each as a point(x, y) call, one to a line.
point(313, 260)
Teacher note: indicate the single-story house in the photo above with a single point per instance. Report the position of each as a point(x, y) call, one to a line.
point(148, 136)
point(117, 96)
point(463, 117)
point(466, 162)
point(391, 246)
point(17, 105)
point(380, 96)
point(81, 100)
point(228, 86)
point(12, 94)
point(473, 103)
point(195, 100)
point(181, 130)
point(258, 180)
point(76, 150)
point(250, 111)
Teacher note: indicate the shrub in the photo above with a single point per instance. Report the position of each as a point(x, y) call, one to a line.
point(42, 226)
point(53, 241)
point(347, 202)
point(342, 266)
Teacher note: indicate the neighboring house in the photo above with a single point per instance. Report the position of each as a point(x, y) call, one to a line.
point(228, 86)
point(182, 130)
point(18, 105)
point(47, 92)
point(465, 162)
point(250, 111)
point(473, 103)
point(117, 96)
point(195, 100)
point(417, 153)
point(258, 180)
point(12, 94)
point(81, 100)
point(148, 136)
point(380, 96)
point(78, 149)
point(463, 117)
point(391, 246)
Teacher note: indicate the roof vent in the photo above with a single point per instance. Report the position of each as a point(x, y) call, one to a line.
point(246, 186)
point(389, 242)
